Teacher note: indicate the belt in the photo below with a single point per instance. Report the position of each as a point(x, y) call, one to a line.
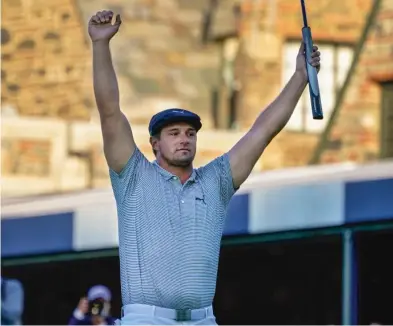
point(174, 314)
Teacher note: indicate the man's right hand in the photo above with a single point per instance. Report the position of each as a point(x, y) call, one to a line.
point(83, 305)
point(101, 27)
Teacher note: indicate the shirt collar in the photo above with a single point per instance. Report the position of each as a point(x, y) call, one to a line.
point(168, 176)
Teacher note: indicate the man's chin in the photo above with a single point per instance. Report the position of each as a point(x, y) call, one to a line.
point(183, 162)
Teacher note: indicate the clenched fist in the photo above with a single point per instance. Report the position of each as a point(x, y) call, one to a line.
point(101, 27)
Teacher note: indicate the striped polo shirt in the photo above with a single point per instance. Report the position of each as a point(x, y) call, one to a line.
point(169, 233)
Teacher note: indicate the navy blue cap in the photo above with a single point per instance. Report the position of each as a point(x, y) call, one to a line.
point(166, 117)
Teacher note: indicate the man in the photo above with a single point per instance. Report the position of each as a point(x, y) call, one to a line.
point(171, 216)
point(95, 309)
point(12, 302)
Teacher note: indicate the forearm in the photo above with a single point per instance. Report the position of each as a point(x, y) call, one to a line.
point(106, 88)
point(273, 119)
point(244, 155)
point(247, 151)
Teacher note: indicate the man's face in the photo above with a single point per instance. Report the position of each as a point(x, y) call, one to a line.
point(176, 144)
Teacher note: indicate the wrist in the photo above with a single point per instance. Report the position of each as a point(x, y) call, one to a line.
point(78, 314)
point(301, 77)
point(100, 41)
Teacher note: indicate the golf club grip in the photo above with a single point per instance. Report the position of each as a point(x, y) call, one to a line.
point(313, 85)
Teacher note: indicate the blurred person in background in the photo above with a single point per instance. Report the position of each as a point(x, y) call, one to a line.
point(12, 302)
point(95, 309)
point(171, 216)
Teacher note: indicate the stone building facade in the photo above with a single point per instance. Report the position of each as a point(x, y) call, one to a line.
point(226, 60)
point(362, 129)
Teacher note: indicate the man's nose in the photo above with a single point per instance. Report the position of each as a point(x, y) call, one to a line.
point(184, 139)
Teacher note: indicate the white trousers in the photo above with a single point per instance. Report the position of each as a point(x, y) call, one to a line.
point(138, 314)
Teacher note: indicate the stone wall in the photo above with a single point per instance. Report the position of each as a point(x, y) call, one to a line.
point(162, 61)
point(356, 134)
point(34, 154)
point(159, 56)
point(264, 28)
point(46, 85)
point(45, 155)
point(45, 71)
point(266, 25)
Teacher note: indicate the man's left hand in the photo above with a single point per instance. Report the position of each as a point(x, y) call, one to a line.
point(301, 60)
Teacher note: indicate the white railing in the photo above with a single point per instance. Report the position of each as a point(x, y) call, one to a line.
point(347, 172)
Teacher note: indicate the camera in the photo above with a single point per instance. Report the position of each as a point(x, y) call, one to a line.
point(96, 307)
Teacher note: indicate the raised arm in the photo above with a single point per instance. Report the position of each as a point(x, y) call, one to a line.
point(119, 143)
point(244, 155)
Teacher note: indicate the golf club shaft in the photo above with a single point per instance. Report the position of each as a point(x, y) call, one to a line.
point(313, 85)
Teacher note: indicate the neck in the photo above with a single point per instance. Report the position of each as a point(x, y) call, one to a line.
point(182, 172)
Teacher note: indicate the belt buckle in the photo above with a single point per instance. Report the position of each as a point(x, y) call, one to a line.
point(183, 314)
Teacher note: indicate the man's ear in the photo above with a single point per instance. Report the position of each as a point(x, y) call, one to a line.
point(153, 142)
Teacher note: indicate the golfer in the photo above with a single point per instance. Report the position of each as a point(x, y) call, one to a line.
point(171, 215)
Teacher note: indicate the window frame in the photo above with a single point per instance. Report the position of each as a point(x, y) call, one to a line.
point(303, 109)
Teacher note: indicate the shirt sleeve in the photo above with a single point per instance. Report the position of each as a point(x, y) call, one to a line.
point(78, 314)
point(126, 180)
point(220, 171)
point(78, 318)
